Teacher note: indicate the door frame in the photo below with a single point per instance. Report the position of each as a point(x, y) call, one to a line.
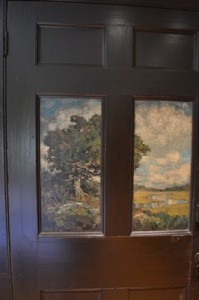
point(5, 263)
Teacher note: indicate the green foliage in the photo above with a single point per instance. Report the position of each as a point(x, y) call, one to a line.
point(76, 152)
point(73, 216)
point(146, 221)
point(140, 149)
point(185, 187)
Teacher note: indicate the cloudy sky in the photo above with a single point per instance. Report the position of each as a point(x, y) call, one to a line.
point(166, 127)
point(57, 112)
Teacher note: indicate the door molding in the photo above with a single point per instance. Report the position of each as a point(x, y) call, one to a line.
point(183, 4)
point(176, 4)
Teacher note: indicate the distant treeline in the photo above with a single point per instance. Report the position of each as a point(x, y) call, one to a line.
point(185, 187)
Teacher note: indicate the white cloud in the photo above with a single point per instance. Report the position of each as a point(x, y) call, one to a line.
point(43, 157)
point(164, 128)
point(168, 132)
point(170, 158)
point(45, 165)
point(173, 177)
point(162, 173)
point(63, 116)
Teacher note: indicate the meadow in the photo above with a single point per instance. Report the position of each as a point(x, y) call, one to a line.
point(161, 210)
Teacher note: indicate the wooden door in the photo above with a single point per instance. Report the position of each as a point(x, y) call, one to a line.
point(121, 62)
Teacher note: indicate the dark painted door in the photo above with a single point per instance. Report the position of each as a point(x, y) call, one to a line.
point(83, 80)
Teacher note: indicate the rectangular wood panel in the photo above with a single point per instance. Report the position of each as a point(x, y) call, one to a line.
point(117, 187)
point(163, 294)
point(70, 45)
point(72, 295)
point(170, 49)
point(120, 262)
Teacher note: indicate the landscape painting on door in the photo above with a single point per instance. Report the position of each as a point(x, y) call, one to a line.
point(162, 165)
point(70, 164)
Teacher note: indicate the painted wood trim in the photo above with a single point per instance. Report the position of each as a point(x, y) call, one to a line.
point(174, 4)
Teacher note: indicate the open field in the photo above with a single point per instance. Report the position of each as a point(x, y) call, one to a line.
point(174, 203)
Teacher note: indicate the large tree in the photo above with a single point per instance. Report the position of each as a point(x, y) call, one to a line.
point(75, 154)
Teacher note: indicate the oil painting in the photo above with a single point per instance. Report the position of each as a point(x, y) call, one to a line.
point(162, 165)
point(70, 164)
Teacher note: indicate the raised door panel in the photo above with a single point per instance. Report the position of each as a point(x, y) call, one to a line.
point(172, 294)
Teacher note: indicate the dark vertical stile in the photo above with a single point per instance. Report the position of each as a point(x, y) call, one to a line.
point(132, 164)
point(38, 164)
point(193, 168)
point(37, 39)
point(118, 165)
point(5, 262)
point(193, 287)
point(134, 48)
point(103, 167)
point(131, 200)
point(196, 167)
